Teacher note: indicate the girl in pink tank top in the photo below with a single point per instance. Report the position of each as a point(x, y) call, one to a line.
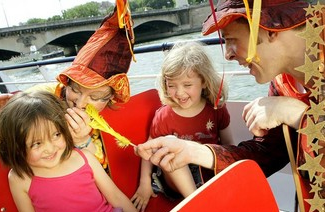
point(47, 172)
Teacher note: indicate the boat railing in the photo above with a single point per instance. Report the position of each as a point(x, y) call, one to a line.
point(137, 50)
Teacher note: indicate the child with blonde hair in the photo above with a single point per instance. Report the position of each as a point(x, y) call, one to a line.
point(47, 172)
point(189, 91)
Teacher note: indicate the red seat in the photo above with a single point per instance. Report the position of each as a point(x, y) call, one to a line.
point(240, 187)
point(132, 120)
point(6, 201)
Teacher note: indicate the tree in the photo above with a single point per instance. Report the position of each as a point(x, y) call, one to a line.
point(55, 18)
point(141, 5)
point(36, 21)
point(134, 5)
point(159, 4)
point(90, 9)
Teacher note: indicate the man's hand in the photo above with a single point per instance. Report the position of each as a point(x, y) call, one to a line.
point(4, 98)
point(265, 113)
point(169, 153)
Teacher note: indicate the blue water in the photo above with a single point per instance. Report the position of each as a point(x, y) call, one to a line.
point(240, 87)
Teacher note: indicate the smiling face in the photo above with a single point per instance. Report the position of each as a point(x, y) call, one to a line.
point(270, 53)
point(185, 90)
point(78, 96)
point(45, 146)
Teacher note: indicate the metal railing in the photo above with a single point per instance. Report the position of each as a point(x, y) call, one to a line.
point(8, 84)
point(137, 50)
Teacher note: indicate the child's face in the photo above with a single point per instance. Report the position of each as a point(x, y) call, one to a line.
point(44, 150)
point(185, 89)
point(78, 96)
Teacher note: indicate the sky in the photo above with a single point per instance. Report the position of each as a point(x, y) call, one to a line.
point(13, 12)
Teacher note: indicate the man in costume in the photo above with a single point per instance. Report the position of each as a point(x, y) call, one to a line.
point(98, 76)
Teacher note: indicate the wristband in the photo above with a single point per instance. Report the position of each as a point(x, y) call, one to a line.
point(84, 145)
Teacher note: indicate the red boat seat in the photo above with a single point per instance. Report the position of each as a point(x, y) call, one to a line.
point(132, 120)
point(6, 201)
point(240, 187)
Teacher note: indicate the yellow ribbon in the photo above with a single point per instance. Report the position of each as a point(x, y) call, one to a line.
point(253, 26)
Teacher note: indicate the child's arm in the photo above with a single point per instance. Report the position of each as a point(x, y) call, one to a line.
point(141, 197)
point(226, 136)
point(19, 188)
point(107, 187)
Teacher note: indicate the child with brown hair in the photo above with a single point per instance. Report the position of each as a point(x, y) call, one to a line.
point(47, 172)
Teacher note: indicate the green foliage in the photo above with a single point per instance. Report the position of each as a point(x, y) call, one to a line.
point(36, 21)
point(90, 9)
point(134, 5)
point(107, 10)
point(55, 18)
point(144, 5)
point(158, 4)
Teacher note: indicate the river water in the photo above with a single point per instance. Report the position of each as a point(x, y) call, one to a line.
point(242, 87)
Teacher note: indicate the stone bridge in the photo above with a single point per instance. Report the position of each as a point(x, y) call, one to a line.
point(72, 35)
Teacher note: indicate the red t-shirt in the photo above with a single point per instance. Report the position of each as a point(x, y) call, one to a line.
point(203, 128)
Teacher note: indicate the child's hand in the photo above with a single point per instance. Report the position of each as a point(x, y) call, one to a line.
point(141, 197)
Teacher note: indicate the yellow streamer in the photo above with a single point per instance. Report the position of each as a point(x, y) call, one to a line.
point(253, 26)
point(98, 122)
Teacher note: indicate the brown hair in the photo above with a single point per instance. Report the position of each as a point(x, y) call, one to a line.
point(23, 112)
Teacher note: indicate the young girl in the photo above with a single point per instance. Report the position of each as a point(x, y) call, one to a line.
point(189, 87)
point(47, 172)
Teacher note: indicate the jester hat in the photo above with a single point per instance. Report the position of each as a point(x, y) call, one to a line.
point(276, 15)
point(105, 58)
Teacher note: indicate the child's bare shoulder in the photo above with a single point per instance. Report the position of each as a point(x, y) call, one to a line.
point(13, 176)
point(15, 179)
point(90, 156)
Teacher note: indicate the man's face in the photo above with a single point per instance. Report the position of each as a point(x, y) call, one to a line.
point(236, 35)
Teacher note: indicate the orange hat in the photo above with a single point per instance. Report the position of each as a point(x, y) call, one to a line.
point(276, 15)
point(104, 59)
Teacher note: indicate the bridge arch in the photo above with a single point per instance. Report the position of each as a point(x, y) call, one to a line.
point(172, 18)
point(70, 41)
point(154, 30)
point(148, 26)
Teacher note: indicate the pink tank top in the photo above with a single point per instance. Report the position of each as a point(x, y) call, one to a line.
point(74, 192)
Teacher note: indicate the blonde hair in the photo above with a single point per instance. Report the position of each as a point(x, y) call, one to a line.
point(185, 57)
